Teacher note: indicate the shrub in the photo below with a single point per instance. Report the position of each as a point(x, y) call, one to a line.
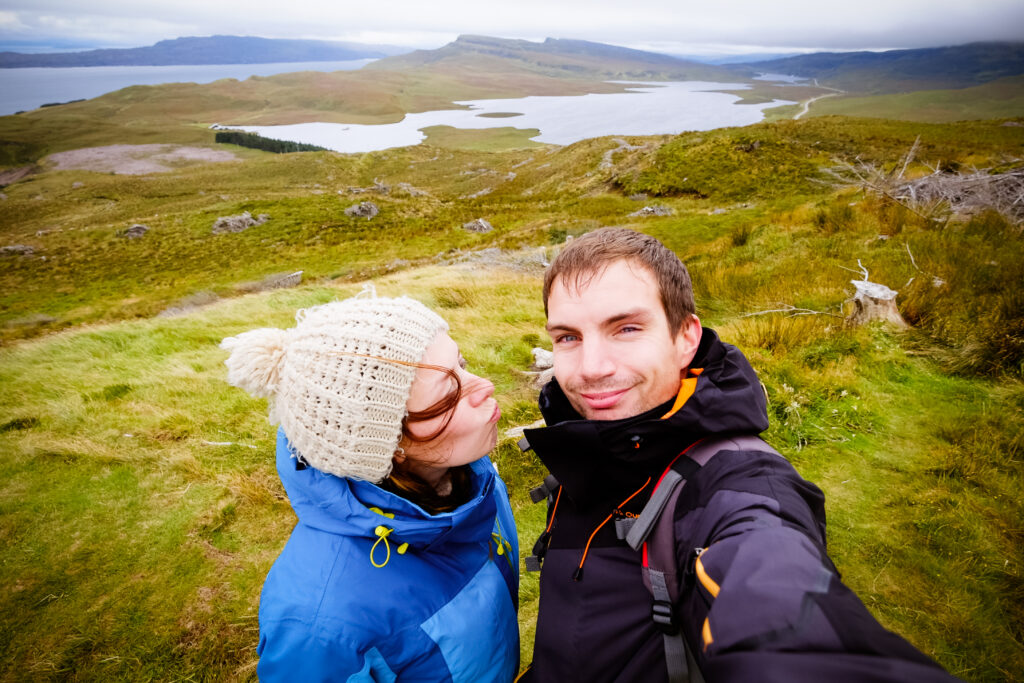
point(966, 296)
point(254, 141)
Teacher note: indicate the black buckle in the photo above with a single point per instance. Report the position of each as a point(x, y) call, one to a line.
point(541, 546)
point(533, 563)
point(664, 618)
point(539, 493)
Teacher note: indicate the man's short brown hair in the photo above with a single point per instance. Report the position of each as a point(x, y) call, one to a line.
point(587, 256)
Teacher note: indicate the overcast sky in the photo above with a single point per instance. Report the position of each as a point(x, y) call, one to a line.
point(679, 26)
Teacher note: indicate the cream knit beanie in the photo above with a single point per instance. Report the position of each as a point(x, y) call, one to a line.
point(329, 382)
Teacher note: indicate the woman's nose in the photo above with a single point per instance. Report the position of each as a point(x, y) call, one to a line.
point(479, 389)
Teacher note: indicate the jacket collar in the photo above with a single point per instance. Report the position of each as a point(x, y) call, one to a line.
point(597, 460)
point(340, 505)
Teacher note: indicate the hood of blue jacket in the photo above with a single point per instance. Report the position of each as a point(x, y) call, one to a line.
point(340, 505)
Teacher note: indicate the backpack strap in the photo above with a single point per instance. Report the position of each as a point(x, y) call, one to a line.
point(655, 533)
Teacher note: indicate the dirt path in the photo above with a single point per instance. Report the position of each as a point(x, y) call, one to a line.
point(136, 159)
point(807, 105)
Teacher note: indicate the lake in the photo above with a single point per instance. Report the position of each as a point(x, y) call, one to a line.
point(648, 109)
point(26, 89)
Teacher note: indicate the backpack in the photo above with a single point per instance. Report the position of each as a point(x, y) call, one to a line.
point(653, 533)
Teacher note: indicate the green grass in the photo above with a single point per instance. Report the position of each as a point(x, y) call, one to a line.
point(1000, 99)
point(135, 545)
point(485, 140)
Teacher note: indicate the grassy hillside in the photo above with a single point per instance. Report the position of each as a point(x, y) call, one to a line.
point(557, 58)
point(201, 50)
point(75, 219)
point(999, 99)
point(141, 510)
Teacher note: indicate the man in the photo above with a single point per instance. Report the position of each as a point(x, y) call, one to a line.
point(637, 381)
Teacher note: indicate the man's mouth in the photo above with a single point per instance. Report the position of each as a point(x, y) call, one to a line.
point(603, 400)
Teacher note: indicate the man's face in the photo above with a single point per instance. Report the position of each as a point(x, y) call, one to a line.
point(614, 354)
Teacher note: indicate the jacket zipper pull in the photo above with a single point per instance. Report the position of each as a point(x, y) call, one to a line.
point(690, 569)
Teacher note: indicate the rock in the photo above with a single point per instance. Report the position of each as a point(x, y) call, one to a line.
point(13, 175)
point(542, 359)
point(478, 225)
point(410, 190)
point(481, 193)
point(136, 231)
point(655, 210)
point(17, 249)
point(365, 210)
point(232, 224)
point(75, 186)
point(275, 281)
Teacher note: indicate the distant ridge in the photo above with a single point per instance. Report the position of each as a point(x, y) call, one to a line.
point(206, 50)
point(556, 57)
point(895, 71)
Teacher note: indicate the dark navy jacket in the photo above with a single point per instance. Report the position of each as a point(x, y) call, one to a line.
point(761, 600)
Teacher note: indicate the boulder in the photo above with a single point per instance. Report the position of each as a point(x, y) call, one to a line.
point(243, 221)
point(478, 225)
point(655, 210)
point(17, 249)
point(365, 210)
point(136, 231)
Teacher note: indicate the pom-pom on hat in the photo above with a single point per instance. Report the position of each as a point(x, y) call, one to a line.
point(332, 381)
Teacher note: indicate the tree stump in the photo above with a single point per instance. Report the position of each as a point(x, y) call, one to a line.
point(874, 302)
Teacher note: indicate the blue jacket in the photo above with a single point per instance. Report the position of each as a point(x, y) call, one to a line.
point(441, 609)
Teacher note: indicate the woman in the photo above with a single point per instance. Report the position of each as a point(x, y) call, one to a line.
point(404, 562)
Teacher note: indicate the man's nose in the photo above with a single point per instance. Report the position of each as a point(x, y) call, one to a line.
point(597, 360)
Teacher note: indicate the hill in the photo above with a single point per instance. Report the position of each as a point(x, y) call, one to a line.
point(554, 57)
point(205, 50)
point(1003, 98)
point(896, 71)
point(141, 509)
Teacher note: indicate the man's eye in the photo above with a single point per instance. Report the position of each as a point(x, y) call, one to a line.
point(629, 329)
point(566, 338)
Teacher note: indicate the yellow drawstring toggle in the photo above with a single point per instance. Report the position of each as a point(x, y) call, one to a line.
point(501, 545)
point(382, 533)
point(389, 515)
point(402, 548)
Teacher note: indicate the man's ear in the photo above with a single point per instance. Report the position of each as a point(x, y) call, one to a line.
point(688, 340)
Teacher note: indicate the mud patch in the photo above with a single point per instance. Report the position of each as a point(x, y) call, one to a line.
point(137, 159)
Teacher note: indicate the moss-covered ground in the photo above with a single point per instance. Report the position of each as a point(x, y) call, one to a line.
point(140, 510)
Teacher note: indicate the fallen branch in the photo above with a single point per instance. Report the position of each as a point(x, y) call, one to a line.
point(793, 311)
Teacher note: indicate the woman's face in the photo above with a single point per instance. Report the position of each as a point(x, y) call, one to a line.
point(473, 429)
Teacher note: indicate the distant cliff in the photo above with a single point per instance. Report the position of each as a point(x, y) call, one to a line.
point(206, 50)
